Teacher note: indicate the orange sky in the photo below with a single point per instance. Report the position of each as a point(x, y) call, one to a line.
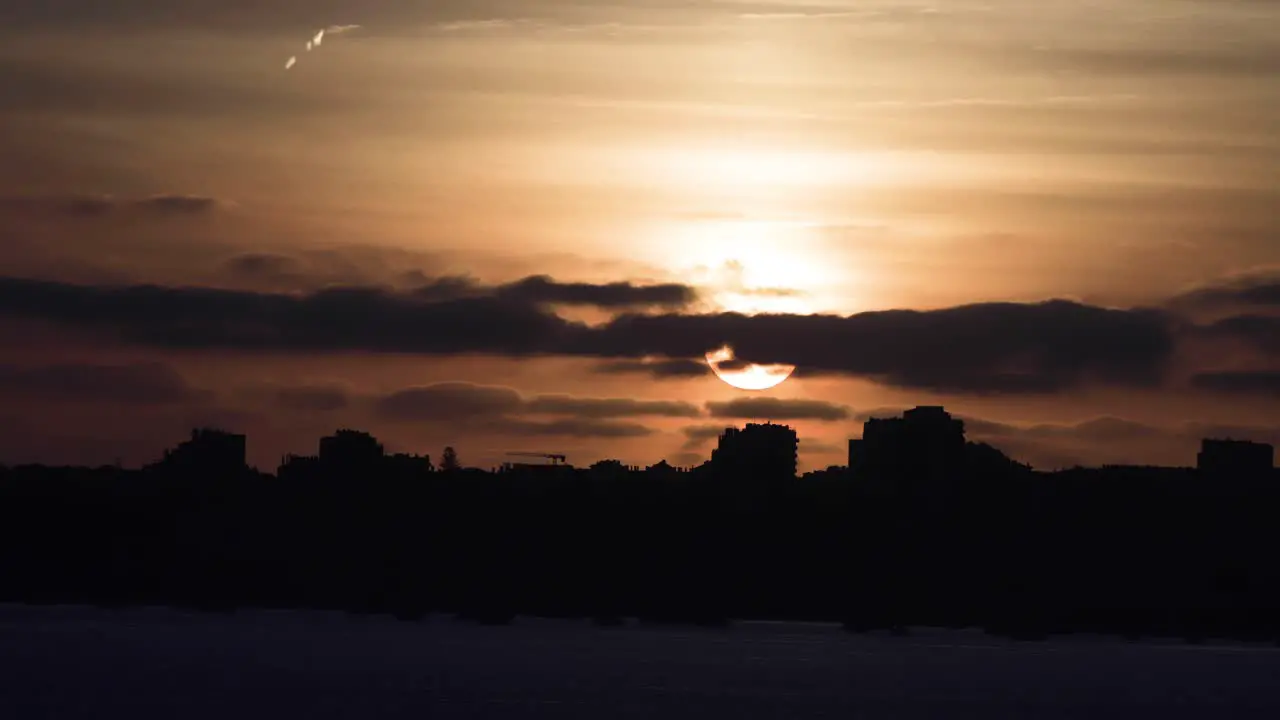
point(822, 156)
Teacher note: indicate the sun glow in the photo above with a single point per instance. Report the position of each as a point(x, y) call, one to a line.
point(738, 168)
point(754, 266)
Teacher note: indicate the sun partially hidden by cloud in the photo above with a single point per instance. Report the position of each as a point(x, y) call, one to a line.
point(746, 376)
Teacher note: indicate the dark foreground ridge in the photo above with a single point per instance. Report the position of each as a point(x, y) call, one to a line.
point(922, 528)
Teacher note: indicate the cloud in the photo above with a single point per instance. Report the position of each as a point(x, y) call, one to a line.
point(985, 348)
point(308, 272)
point(1241, 61)
point(778, 409)
point(332, 270)
point(703, 432)
point(448, 401)
point(882, 412)
point(1268, 435)
point(699, 435)
point(315, 398)
point(567, 427)
point(988, 348)
point(1262, 332)
point(75, 83)
point(448, 288)
point(270, 265)
point(1101, 428)
point(731, 277)
point(831, 11)
point(177, 204)
point(1106, 440)
point(87, 206)
point(774, 292)
point(811, 447)
point(137, 384)
point(685, 459)
point(1259, 287)
point(1105, 428)
point(1052, 446)
point(1001, 102)
point(490, 24)
point(220, 15)
point(65, 206)
point(303, 397)
point(657, 369)
point(317, 269)
point(544, 22)
point(598, 408)
point(542, 289)
point(828, 15)
point(1239, 383)
point(339, 319)
point(486, 408)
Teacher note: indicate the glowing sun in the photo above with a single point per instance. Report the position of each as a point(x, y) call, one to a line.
point(748, 377)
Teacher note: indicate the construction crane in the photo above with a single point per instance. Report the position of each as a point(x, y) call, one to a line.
point(555, 458)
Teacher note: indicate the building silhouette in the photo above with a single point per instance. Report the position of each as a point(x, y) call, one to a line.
point(662, 470)
point(350, 449)
point(761, 450)
point(925, 444)
point(294, 467)
point(404, 465)
point(539, 469)
point(1235, 459)
point(550, 463)
point(349, 453)
point(612, 469)
point(207, 452)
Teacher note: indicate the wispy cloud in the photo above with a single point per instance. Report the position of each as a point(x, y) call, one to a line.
point(836, 11)
point(803, 15)
point(489, 24)
point(1002, 101)
point(778, 409)
point(98, 205)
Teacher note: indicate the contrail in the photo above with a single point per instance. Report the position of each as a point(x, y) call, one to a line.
point(315, 40)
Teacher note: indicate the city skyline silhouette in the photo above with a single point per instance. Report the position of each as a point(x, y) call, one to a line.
point(941, 438)
point(876, 544)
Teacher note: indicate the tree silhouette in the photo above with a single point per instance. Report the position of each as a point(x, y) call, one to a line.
point(449, 460)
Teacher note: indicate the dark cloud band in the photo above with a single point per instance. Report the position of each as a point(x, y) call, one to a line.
point(983, 348)
point(1240, 383)
point(767, 408)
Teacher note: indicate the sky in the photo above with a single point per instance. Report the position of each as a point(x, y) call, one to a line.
point(520, 225)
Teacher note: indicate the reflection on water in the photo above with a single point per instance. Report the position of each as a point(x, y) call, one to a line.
point(155, 663)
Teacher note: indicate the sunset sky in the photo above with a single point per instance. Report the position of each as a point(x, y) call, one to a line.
point(520, 224)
